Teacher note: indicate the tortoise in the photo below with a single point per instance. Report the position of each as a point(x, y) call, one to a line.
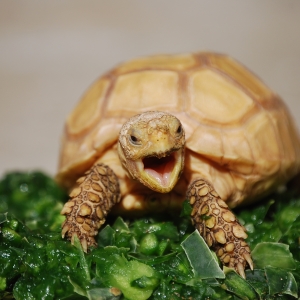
point(158, 130)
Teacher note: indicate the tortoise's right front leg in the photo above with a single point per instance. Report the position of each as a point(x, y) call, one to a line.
point(90, 201)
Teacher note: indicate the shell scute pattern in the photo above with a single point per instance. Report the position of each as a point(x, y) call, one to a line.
point(221, 104)
point(237, 142)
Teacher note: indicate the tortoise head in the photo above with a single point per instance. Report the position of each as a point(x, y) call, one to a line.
point(151, 149)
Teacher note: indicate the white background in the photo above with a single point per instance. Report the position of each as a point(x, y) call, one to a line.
point(51, 51)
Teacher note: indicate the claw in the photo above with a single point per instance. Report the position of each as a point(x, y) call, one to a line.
point(73, 237)
point(240, 270)
point(66, 210)
point(248, 258)
point(84, 245)
point(64, 230)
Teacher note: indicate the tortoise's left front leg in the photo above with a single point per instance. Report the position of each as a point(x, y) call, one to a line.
point(218, 226)
point(97, 191)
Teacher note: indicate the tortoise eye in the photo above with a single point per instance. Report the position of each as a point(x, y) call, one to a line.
point(134, 140)
point(179, 129)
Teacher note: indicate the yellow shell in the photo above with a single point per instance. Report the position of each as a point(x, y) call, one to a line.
point(239, 134)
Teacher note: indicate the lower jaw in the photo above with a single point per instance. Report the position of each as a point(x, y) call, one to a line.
point(157, 188)
point(163, 185)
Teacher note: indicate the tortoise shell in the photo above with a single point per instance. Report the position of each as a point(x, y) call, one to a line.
point(239, 134)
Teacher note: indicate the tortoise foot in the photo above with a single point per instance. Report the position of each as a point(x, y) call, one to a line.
point(70, 231)
point(219, 227)
point(89, 204)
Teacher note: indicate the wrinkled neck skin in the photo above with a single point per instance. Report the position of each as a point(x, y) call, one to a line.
point(151, 150)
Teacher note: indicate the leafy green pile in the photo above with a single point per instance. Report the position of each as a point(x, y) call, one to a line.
point(154, 257)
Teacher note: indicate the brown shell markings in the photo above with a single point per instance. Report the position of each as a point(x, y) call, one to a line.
point(230, 117)
point(240, 142)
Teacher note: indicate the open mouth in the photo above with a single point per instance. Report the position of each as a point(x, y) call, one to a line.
point(160, 168)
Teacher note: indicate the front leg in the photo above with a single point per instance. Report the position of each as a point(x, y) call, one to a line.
point(90, 201)
point(218, 226)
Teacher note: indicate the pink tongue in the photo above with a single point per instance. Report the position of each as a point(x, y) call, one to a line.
point(161, 172)
point(163, 179)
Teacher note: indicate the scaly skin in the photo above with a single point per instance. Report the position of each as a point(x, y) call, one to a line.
point(89, 204)
point(151, 149)
point(218, 226)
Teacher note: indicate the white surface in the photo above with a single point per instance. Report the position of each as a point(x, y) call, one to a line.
point(51, 51)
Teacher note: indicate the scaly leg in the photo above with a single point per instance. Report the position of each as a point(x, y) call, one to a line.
point(218, 226)
point(90, 201)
